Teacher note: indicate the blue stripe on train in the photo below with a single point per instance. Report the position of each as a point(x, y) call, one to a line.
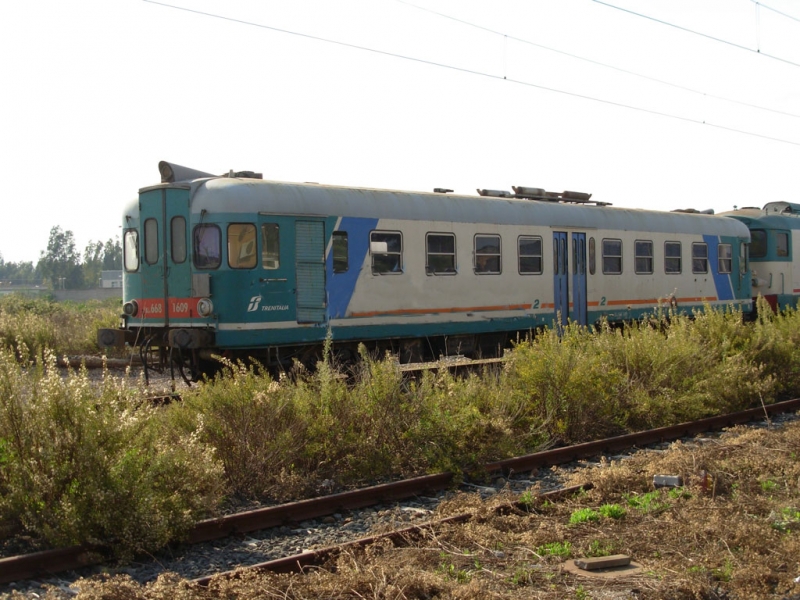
point(341, 286)
point(722, 281)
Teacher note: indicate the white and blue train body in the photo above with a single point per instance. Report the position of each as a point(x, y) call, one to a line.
point(242, 266)
point(775, 233)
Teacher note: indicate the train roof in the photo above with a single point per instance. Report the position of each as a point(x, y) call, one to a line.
point(231, 194)
point(774, 215)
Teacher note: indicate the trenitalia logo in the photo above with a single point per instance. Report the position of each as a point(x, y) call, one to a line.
point(254, 302)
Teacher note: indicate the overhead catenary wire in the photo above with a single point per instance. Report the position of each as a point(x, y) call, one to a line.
point(783, 14)
point(471, 72)
point(598, 63)
point(699, 33)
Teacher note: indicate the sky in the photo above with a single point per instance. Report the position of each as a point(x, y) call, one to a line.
point(657, 104)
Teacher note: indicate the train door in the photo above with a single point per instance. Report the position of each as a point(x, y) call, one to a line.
point(310, 270)
point(276, 277)
point(579, 278)
point(178, 269)
point(165, 268)
point(560, 277)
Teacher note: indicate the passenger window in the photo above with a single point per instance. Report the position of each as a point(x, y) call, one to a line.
point(151, 241)
point(725, 258)
point(592, 256)
point(340, 257)
point(131, 250)
point(612, 257)
point(487, 254)
point(178, 239)
point(758, 243)
point(386, 249)
point(782, 244)
point(242, 252)
point(672, 258)
point(440, 256)
point(699, 258)
point(270, 246)
point(643, 257)
point(207, 247)
point(530, 255)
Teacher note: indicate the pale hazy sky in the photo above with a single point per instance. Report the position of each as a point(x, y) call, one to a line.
point(96, 92)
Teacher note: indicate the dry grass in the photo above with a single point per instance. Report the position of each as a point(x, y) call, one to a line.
point(733, 531)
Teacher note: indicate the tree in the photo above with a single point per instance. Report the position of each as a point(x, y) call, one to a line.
point(112, 255)
point(92, 264)
point(61, 263)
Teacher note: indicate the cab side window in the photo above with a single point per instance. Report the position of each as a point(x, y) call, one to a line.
point(339, 249)
point(207, 246)
point(130, 250)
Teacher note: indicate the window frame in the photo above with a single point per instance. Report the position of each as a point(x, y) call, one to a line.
point(373, 254)
point(489, 255)
point(781, 252)
point(695, 258)
point(644, 257)
point(340, 235)
point(270, 260)
point(237, 249)
point(195, 243)
point(150, 229)
point(178, 258)
point(428, 254)
point(721, 268)
point(134, 248)
point(520, 255)
point(669, 257)
point(606, 256)
point(761, 246)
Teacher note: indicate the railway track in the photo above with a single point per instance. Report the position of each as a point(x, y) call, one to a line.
point(43, 564)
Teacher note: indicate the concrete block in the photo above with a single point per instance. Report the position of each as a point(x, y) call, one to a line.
point(602, 562)
point(671, 481)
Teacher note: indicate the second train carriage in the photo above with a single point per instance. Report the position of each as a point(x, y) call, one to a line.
point(775, 233)
point(238, 265)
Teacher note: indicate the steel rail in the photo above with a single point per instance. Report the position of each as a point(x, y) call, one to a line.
point(298, 562)
point(28, 566)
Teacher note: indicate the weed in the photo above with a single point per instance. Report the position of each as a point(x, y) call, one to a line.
point(583, 515)
point(768, 485)
point(646, 503)
point(560, 549)
point(525, 499)
point(612, 511)
point(598, 548)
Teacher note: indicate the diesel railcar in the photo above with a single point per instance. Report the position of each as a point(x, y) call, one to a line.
point(774, 234)
point(240, 266)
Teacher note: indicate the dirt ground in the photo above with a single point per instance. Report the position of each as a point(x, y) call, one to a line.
point(731, 531)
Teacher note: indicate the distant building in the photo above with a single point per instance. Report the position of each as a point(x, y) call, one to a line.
point(111, 279)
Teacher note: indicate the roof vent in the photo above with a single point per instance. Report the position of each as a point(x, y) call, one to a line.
point(172, 173)
point(496, 193)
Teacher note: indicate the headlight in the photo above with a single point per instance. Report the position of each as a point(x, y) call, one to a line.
point(205, 307)
point(130, 308)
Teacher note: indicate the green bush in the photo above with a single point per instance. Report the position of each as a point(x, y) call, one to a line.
point(84, 463)
point(66, 328)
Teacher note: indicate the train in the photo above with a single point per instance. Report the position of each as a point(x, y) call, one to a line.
point(238, 266)
point(774, 233)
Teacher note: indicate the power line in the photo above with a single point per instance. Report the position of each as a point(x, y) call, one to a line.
point(705, 35)
point(601, 64)
point(761, 4)
point(470, 72)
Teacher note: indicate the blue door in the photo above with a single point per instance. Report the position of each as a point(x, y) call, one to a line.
point(579, 278)
point(560, 277)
